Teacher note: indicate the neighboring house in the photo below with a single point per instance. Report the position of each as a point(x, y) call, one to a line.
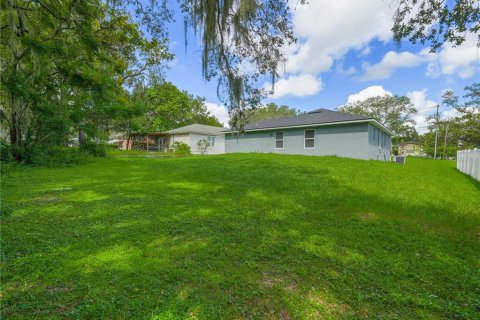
point(193, 133)
point(320, 132)
point(411, 149)
point(163, 141)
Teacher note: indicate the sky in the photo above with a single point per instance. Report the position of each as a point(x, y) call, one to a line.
point(344, 53)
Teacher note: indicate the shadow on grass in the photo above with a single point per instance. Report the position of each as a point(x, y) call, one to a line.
point(223, 237)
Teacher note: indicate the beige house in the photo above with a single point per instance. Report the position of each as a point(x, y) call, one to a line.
point(411, 149)
point(193, 133)
point(163, 141)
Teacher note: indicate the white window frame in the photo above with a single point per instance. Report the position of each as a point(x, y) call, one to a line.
point(283, 139)
point(305, 139)
point(211, 139)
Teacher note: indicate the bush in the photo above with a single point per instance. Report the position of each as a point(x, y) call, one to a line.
point(94, 149)
point(202, 146)
point(5, 152)
point(181, 149)
point(56, 156)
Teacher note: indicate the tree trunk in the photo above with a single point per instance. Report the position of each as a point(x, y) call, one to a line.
point(82, 137)
point(16, 142)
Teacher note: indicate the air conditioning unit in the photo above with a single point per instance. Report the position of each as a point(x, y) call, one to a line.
point(400, 159)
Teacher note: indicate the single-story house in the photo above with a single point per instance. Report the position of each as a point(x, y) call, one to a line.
point(163, 141)
point(319, 132)
point(193, 133)
point(411, 148)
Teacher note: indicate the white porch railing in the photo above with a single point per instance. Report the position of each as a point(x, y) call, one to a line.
point(468, 162)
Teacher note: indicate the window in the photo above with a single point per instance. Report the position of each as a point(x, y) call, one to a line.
point(211, 141)
point(309, 139)
point(278, 140)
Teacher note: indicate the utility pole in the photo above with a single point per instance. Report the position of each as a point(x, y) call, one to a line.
point(445, 142)
point(436, 134)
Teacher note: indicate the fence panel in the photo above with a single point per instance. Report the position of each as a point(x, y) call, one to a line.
point(468, 162)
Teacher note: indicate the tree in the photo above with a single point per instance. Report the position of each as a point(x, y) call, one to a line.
point(270, 111)
point(469, 109)
point(395, 112)
point(167, 107)
point(436, 21)
point(236, 32)
point(65, 65)
point(75, 59)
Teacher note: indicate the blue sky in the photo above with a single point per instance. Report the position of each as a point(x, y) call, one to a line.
point(345, 52)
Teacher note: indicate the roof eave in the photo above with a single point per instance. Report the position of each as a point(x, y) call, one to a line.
point(372, 121)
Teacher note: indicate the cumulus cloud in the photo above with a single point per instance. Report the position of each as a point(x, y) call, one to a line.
point(424, 108)
point(219, 111)
point(368, 92)
point(390, 62)
point(419, 100)
point(462, 60)
point(298, 86)
point(323, 39)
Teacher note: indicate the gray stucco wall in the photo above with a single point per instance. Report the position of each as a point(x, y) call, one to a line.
point(350, 141)
point(379, 144)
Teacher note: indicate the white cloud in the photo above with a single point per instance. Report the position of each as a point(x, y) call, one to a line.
point(365, 52)
point(328, 29)
point(450, 114)
point(219, 111)
point(424, 108)
point(421, 123)
point(419, 100)
point(462, 61)
point(389, 63)
point(341, 70)
point(368, 92)
point(298, 86)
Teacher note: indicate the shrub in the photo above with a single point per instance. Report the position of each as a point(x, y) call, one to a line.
point(181, 149)
point(56, 156)
point(94, 149)
point(5, 151)
point(202, 146)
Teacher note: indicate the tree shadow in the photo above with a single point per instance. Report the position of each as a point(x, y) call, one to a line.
point(208, 240)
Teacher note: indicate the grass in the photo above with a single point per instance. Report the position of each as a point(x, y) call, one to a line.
point(241, 236)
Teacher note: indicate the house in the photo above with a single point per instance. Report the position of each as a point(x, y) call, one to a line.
point(320, 132)
point(411, 148)
point(193, 133)
point(163, 141)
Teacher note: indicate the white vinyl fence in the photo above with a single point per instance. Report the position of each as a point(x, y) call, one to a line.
point(468, 162)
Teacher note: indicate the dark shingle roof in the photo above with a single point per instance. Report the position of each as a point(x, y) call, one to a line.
point(319, 116)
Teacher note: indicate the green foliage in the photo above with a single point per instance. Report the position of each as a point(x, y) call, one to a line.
point(395, 112)
point(56, 156)
point(202, 146)
point(241, 236)
point(270, 111)
point(459, 133)
point(167, 107)
point(238, 32)
point(5, 151)
point(65, 67)
point(94, 149)
point(436, 21)
point(181, 149)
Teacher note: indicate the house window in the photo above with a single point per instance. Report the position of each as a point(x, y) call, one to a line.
point(211, 141)
point(279, 140)
point(309, 139)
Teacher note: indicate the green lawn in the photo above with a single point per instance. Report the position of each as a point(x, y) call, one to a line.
point(241, 236)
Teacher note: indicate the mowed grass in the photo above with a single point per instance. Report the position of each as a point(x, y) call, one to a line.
point(241, 237)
